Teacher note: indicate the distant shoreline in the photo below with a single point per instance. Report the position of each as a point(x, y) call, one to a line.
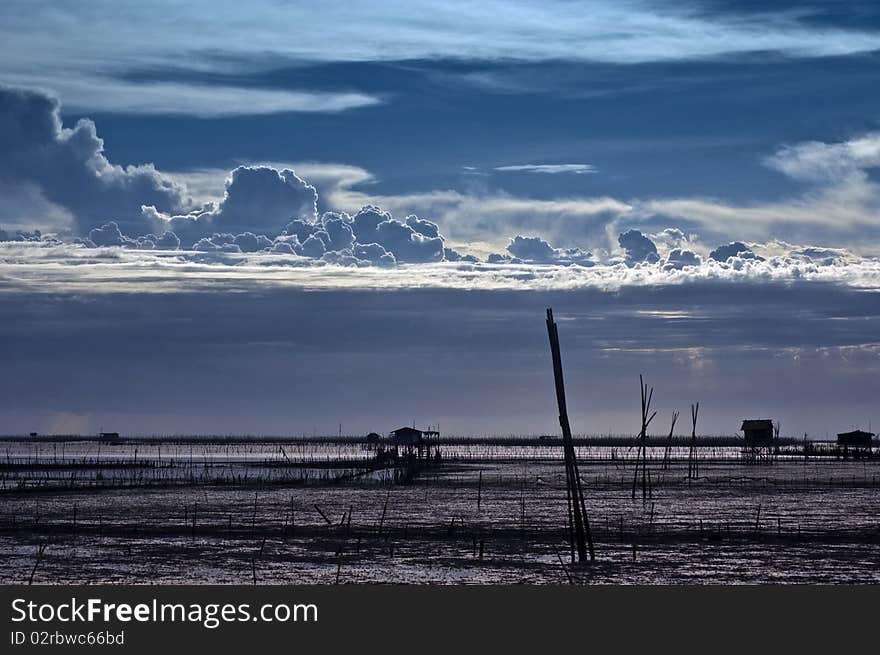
point(709, 441)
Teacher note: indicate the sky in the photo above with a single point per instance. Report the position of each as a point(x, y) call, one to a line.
point(280, 216)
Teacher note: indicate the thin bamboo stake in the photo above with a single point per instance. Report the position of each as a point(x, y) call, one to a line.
point(642, 452)
point(667, 452)
point(693, 464)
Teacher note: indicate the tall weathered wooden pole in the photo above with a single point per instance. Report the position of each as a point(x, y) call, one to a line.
point(579, 524)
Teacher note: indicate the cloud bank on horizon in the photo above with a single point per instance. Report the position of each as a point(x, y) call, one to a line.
point(274, 212)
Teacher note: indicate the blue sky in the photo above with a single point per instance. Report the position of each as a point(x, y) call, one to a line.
point(661, 101)
point(566, 123)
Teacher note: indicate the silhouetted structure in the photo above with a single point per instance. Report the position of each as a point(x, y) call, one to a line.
point(856, 443)
point(416, 446)
point(407, 436)
point(758, 441)
point(758, 432)
point(855, 439)
point(109, 436)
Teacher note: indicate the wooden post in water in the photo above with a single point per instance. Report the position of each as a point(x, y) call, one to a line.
point(667, 453)
point(642, 452)
point(579, 524)
point(693, 461)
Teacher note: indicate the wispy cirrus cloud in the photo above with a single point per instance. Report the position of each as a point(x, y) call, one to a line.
point(816, 161)
point(109, 95)
point(617, 32)
point(85, 51)
point(841, 201)
point(550, 169)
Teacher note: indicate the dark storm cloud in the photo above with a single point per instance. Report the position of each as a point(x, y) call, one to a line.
point(69, 167)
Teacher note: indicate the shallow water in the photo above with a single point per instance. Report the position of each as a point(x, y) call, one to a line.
point(235, 514)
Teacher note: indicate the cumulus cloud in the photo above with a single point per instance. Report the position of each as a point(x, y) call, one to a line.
point(371, 235)
point(366, 221)
point(678, 259)
point(250, 242)
point(374, 254)
point(414, 240)
point(537, 251)
point(671, 238)
point(165, 241)
point(826, 256)
point(531, 249)
point(258, 199)
point(337, 227)
point(638, 247)
point(273, 209)
point(422, 226)
point(734, 249)
point(19, 235)
point(109, 235)
point(68, 167)
point(223, 241)
point(484, 216)
point(452, 255)
point(407, 244)
point(502, 258)
point(313, 246)
point(285, 247)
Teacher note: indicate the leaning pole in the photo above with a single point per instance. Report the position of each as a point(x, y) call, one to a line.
point(578, 524)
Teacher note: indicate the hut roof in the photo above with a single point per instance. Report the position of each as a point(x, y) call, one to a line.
point(757, 424)
point(856, 433)
point(406, 430)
